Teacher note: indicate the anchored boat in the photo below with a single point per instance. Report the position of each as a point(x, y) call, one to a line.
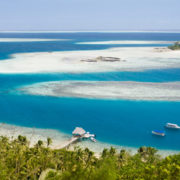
point(172, 126)
point(93, 139)
point(158, 133)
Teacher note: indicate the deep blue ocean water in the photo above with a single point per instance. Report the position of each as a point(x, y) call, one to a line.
point(119, 122)
point(7, 48)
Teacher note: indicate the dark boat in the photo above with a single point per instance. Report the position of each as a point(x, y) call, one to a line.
point(158, 133)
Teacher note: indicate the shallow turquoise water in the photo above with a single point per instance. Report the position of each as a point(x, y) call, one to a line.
point(127, 122)
point(119, 122)
point(9, 81)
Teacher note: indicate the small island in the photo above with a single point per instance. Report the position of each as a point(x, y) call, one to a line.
point(176, 46)
point(101, 58)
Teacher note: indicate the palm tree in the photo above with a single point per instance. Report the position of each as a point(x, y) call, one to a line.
point(112, 151)
point(104, 153)
point(22, 139)
point(39, 143)
point(49, 141)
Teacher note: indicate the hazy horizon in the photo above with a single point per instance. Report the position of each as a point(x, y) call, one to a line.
point(105, 31)
point(89, 15)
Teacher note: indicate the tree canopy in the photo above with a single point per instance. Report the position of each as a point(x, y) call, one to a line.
point(20, 161)
point(175, 46)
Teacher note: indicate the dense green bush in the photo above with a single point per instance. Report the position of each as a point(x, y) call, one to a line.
point(19, 161)
point(176, 46)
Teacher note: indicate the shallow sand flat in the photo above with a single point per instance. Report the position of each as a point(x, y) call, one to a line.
point(28, 40)
point(132, 59)
point(127, 42)
point(59, 138)
point(33, 134)
point(107, 90)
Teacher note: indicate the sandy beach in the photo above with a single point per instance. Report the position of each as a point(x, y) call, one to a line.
point(59, 138)
point(131, 59)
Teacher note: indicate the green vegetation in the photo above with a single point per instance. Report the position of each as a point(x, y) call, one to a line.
point(176, 46)
point(19, 161)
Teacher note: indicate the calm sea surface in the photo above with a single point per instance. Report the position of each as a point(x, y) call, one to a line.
point(119, 122)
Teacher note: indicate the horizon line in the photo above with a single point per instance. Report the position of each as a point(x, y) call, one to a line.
point(100, 31)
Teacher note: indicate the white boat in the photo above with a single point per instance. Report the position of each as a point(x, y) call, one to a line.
point(172, 126)
point(158, 133)
point(93, 139)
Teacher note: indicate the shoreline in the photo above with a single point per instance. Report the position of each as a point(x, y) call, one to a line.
point(59, 138)
point(131, 59)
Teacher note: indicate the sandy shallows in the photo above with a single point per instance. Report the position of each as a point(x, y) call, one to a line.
point(127, 42)
point(107, 90)
point(59, 138)
point(131, 59)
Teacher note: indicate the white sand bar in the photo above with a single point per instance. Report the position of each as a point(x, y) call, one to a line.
point(28, 40)
point(132, 59)
point(107, 90)
point(127, 42)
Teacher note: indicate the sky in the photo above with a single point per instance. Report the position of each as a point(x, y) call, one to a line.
point(89, 15)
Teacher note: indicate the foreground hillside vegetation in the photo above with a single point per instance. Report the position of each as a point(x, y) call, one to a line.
point(20, 161)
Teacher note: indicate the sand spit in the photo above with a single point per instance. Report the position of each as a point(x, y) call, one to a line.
point(127, 42)
point(132, 59)
point(29, 40)
point(107, 90)
point(34, 134)
point(59, 138)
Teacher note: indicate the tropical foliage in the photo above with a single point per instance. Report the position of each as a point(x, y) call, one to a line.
point(19, 161)
point(176, 46)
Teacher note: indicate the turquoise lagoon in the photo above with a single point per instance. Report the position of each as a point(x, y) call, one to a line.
point(119, 122)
